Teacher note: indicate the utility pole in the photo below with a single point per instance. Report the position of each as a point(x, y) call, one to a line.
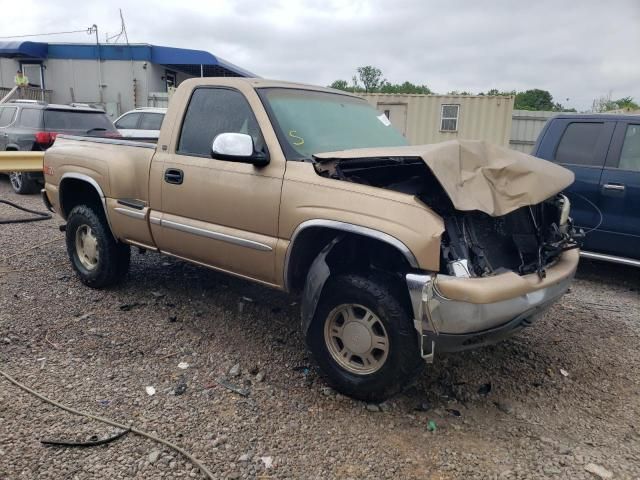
point(90, 30)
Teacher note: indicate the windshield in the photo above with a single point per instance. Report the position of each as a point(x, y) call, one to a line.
point(81, 122)
point(310, 122)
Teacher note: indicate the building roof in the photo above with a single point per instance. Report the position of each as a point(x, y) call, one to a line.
point(23, 49)
point(182, 59)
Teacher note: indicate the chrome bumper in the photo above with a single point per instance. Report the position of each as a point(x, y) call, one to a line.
point(452, 325)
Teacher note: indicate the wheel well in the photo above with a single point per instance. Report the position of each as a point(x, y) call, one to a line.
point(354, 253)
point(74, 192)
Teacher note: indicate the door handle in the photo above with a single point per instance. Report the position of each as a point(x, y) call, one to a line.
point(618, 187)
point(174, 176)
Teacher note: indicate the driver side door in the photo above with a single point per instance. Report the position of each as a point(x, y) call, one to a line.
point(219, 213)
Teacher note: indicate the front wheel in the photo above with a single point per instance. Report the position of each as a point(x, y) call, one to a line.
point(98, 259)
point(22, 184)
point(363, 338)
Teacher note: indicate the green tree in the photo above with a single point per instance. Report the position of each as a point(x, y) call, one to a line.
point(558, 107)
point(406, 87)
point(535, 99)
point(341, 85)
point(627, 103)
point(371, 78)
point(495, 92)
point(605, 104)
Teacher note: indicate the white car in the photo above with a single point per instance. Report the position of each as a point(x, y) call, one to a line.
point(141, 123)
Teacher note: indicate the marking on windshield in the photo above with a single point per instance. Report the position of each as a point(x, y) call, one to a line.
point(292, 134)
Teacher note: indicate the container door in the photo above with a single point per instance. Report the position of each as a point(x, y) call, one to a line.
point(396, 113)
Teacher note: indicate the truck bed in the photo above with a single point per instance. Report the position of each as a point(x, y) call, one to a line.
point(120, 168)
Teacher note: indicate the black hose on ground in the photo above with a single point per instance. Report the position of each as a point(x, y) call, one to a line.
point(39, 215)
point(91, 443)
point(126, 428)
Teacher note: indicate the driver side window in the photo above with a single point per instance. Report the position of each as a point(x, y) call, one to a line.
point(213, 111)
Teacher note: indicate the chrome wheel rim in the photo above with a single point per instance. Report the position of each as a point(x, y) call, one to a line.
point(356, 339)
point(16, 180)
point(87, 247)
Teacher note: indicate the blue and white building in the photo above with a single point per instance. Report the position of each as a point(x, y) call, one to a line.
point(119, 77)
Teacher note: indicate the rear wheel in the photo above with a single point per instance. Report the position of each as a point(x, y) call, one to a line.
point(98, 259)
point(363, 338)
point(22, 184)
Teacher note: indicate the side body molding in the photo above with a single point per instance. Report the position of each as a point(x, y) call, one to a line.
point(350, 228)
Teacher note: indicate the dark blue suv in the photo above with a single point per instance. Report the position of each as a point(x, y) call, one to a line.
point(604, 153)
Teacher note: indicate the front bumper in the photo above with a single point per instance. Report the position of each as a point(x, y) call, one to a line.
point(453, 314)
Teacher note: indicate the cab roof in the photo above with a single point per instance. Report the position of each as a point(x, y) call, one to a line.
point(258, 83)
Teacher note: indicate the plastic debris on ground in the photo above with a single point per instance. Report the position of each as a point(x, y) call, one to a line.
point(598, 470)
point(234, 388)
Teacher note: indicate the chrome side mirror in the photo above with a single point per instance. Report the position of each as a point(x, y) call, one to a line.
point(232, 145)
point(237, 147)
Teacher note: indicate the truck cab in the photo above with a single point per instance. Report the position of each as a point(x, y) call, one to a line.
point(603, 151)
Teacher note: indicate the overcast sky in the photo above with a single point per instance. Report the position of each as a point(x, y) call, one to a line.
point(578, 50)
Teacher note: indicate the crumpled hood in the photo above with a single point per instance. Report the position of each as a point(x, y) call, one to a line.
point(477, 175)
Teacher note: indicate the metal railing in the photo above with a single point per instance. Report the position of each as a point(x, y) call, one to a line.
point(21, 161)
point(158, 99)
point(8, 94)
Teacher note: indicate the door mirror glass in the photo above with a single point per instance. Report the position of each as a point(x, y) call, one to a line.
point(237, 147)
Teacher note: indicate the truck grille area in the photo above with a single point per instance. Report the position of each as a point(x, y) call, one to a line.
point(515, 242)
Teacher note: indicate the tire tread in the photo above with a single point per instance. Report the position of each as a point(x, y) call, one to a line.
point(115, 257)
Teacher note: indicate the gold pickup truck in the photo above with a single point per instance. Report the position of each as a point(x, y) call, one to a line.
point(398, 252)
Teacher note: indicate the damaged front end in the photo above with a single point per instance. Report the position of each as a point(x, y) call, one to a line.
point(508, 250)
point(474, 244)
point(524, 241)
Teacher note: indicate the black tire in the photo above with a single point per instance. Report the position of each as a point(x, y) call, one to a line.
point(22, 184)
point(113, 258)
point(403, 361)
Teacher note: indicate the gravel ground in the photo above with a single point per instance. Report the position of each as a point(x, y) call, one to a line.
point(546, 404)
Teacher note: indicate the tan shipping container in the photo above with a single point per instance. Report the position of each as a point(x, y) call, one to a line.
point(432, 118)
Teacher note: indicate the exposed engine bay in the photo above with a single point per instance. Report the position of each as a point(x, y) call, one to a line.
point(474, 244)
